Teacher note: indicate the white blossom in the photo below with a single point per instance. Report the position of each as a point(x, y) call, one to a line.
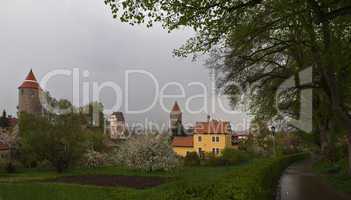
point(147, 152)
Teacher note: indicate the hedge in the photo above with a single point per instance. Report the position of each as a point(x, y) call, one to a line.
point(256, 181)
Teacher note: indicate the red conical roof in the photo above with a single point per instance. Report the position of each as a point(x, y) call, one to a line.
point(176, 107)
point(30, 82)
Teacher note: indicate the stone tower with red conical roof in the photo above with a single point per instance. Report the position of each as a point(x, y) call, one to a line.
point(176, 124)
point(29, 95)
point(176, 116)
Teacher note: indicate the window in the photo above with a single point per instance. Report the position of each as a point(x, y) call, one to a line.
point(199, 138)
point(200, 150)
point(215, 151)
point(215, 138)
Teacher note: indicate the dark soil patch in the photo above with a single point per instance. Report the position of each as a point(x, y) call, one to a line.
point(136, 182)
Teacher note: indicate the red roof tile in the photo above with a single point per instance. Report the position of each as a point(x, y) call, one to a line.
point(176, 107)
point(12, 121)
point(183, 141)
point(4, 147)
point(212, 127)
point(30, 81)
point(244, 132)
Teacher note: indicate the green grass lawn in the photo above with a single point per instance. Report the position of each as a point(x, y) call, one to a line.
point(254, 180)
point(35, 174)
point(187, 172)
point(28, 184)
point(335, 174)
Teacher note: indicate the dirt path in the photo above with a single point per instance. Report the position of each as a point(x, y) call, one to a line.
point(299, 183)
point(136, 182)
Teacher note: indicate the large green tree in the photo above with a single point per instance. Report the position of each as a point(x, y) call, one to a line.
point(58, 139)
point(268, 40)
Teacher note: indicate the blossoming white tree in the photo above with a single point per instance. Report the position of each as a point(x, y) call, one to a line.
point(148, 152)
point(9, 137)
point(93, 159)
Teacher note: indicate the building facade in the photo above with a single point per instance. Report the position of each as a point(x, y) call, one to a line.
point(118, 127)
point(4, 151)
point(209, 137)
point(183, 145)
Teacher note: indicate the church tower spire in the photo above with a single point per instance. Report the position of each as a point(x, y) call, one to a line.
point(176, 125)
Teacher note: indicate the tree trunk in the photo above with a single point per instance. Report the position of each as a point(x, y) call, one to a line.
point(340, 113)
point(349, 157)
point(323, 138)
point(328, 69)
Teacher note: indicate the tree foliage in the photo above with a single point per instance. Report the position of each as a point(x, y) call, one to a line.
point(258, 44)
point(58, 139)
point(147, 152)
point(268, 41)
point(4, 120)
point(94, 159)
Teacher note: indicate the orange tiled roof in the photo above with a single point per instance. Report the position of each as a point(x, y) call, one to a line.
point(4, 147)
point(12, 121)
point(30, 81)
point(212, 127)
point(183, 141)
point(242, 133)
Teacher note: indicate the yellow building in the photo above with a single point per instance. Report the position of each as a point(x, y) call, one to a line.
point(209, 137)
point(183, 145)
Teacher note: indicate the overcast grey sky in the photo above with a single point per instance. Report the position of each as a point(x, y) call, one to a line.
point(47, 35)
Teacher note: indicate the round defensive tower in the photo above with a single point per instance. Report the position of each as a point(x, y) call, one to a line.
point(29, 95)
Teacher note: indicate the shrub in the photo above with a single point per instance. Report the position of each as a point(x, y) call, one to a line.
point(288, 143)
point(95, 139)
point(255, 146)
point(192, 159)
point(228, 157)
point(251, 182)
point(10, 167)
point(212, 160)
point(57, 139)
point(257, 180)
point(3, 163)
point(7, 166)
point(94, 159)
point(147, 152)
point(44, 164)
point(234, 156)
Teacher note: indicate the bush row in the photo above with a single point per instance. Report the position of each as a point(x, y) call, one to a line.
point(228, 157)
point(257, 180)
